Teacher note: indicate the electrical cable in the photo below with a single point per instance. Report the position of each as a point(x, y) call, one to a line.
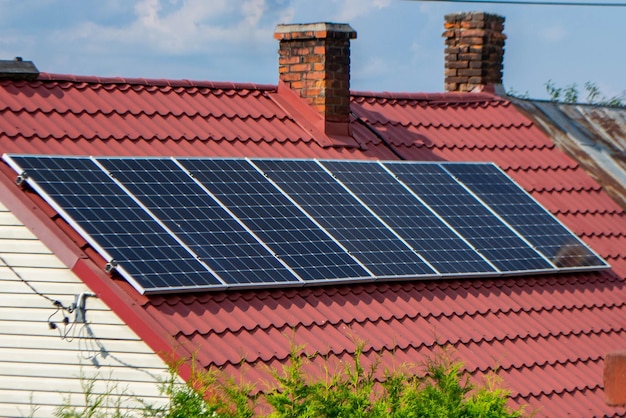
point(56, 303)
point(528, 3)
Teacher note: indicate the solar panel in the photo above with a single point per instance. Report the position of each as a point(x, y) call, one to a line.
point(345, 218)
point(523, 213)
point(197, 224)
point(446, 251)
point(146, 254)
point(295, 238)
point(502, 246)
point(199, 221)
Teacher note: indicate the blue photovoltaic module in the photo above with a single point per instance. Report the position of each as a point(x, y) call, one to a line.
point(196, 224)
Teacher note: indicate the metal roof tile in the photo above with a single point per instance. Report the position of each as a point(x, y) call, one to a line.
point(543, 323)
point(600, 224)
point(577, 202)
point(545, 333)
point(586, 402)
point(549, 379)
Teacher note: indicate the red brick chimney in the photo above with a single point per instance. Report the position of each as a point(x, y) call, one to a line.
point(314, 62)
point(474, 51)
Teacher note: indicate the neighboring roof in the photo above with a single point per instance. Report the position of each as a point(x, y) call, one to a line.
point(546, 335)
point(593, 135)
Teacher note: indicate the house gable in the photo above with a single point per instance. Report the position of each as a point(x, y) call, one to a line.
point(43, 368)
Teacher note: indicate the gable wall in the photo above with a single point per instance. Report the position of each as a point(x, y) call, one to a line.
point(40, 370)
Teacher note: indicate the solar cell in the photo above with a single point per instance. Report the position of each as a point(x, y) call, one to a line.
point(146, 254)
point(502, 246)
point(198, 221)
point(523, 213)
point(409, 217)
point(295, 238)
point(345, 218)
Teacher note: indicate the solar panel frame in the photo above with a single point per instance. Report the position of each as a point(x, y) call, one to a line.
point(147, 179)
point(452, 201)
point(516, 198)
point(411, 219)
point(277, 220)
point(126, 268)
point(331, 186)
point(335, 195)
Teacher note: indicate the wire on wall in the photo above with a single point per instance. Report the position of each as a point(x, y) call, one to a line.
point(64, 325)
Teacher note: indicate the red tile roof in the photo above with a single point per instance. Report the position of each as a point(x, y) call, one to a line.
point(545, 335)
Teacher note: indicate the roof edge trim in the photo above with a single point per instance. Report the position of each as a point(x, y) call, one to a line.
point(129, 309)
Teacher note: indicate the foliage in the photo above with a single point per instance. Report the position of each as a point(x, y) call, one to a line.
point(97, 405)
point(345, 393)
point(570, 94)
point(348, 390)
point(205, 394)
point(514, 93)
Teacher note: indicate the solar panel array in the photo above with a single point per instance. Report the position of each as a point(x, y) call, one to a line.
point(192, 224)
point(491, 237)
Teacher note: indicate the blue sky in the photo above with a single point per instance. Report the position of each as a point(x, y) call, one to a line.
point(399, 45)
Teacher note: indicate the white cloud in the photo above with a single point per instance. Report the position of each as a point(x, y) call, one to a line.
point(351, 9)
point(374, 66)
point(253, 11)
point(180, 27)
point(555, 33)
point(147, 12)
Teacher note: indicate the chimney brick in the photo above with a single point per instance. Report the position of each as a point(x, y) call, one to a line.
point(314, 61)
point(475, 48)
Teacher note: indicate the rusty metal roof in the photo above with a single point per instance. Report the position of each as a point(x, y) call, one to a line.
point(593, 135)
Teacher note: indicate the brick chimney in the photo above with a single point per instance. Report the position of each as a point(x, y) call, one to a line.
point(474, 51)
point(314, 62)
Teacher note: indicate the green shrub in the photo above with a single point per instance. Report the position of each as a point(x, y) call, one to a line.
point(443, 391)
point(110, 403)
point(353, 391)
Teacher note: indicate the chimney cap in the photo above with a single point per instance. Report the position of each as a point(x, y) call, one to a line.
point(18, 69)
point(475, 16)
point(319, 30)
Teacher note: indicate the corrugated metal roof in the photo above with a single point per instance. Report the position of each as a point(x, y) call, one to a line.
point(545, 335)
point(593, 135)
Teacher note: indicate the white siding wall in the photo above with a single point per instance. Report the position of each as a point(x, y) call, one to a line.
point(39, 370)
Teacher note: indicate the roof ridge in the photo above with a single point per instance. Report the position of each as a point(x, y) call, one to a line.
point(439, 97)
point(159, 82)
point(433, 98)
